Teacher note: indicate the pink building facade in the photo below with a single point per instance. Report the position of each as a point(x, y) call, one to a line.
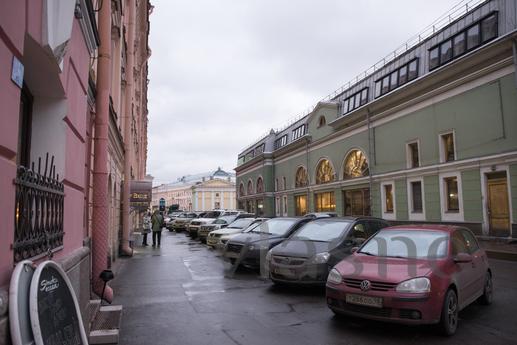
point(47, 98)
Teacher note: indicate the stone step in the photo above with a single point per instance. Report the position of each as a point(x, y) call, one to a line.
point(105, 326)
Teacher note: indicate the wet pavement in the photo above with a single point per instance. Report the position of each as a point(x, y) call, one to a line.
point(184, 293)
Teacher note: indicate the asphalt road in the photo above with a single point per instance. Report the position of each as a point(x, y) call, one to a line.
point(183, 293)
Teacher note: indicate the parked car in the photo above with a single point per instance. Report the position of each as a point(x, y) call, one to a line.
point(321, 214)
point(250, 248)
point(196, 224)
point(421, 274)
point(307, 256)
point(179, 223)
point(227, 234)
point(221, 222)
point(237, 226)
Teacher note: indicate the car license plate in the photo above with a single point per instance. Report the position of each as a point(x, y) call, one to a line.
point(286, 272)
point(364, 300)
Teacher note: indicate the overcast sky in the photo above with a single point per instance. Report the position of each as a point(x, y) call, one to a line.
point(224, 72)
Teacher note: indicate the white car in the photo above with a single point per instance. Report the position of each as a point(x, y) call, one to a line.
point(218, 238)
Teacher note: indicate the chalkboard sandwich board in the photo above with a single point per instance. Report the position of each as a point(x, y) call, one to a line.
point(55, 314)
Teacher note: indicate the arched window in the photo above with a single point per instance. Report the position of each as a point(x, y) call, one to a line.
point(301, 178)
point(241, 189)
point(356, 165)
point(250, 187)
point(324, 172)
point(260, 185)
point(284, 183)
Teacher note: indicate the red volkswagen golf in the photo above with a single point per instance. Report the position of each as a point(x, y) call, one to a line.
point(421, 274)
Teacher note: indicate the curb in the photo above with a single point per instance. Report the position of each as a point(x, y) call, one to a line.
point(501, 255)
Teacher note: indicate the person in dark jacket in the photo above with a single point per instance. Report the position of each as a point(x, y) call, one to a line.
point(157, 224)
point(146, 228)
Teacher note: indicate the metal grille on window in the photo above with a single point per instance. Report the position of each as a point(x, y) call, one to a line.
point(301, 178)
point(356, 165)
point(39, 208)
point(324, 172)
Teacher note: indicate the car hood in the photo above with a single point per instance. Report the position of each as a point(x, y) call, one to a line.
point(254, 237)
point(395, 270)
point(227, 231)
point(205, 220)
point(298, 248)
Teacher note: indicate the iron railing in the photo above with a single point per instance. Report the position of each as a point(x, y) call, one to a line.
point(38, 221)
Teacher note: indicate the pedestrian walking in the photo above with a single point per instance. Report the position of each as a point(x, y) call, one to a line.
point(146, 228)
point(157, 224)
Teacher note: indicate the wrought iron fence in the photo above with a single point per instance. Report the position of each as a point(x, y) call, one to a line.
point(38, 211)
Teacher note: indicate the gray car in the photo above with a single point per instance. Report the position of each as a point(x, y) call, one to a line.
point(308, 255)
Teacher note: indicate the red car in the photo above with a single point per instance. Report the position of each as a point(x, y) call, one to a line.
point(422, 274)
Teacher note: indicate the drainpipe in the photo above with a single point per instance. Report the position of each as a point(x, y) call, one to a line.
point(100, 214)
point(371, 157)
point(128, 117)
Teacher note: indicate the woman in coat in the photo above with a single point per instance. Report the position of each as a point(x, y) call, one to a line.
point(146, 228)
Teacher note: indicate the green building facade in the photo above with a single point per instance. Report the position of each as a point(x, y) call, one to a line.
point(421, 139)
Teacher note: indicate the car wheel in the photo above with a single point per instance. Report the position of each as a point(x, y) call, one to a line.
point(488, 290)
point(450, 310)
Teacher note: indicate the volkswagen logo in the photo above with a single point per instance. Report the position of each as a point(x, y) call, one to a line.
point(365, 285)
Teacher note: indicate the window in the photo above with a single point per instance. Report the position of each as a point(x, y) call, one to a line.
point(276, 184)
point(249, 155)
point(282, 141)
point(324, 172)
point(458, 243)
point(413, 70)
point(355, 101)
point(489, 28)
point(397, 78)
point(388, 200)
point(356, 165)
point(260, 185)
point(301, 179)
point(446, 51)
point(416, 197)
point(394, 80)
point(25, 129)
point(250, 187)
point(325, 202)
point(300, 205)
point(284, 183)
point(473, 37)
point(447, 147)
point(378, 86)
point(434, 58)
point(403, 75)
point(322, 122)
point(467, 39)
point(298, 132)
point(451, 194)
point(277, 206)
point(458, 44)
point(259, 149)
point(285, 205)
point(241, 189)
point(413, 159)
point(470, 240)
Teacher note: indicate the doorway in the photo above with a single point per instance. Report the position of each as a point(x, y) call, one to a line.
point(498, 205)
point(357, 202)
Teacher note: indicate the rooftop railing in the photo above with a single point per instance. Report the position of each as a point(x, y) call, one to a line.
point(456, 12)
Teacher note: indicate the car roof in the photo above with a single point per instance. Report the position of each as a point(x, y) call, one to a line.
point(428, 227)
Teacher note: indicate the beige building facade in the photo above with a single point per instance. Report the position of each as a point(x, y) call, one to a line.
point(200, 192)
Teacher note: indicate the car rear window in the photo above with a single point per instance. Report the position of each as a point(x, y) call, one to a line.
point(321, 231)
point(417, 244)
point(275, 226)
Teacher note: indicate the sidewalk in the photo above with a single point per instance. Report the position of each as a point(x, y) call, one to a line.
point(502, 249)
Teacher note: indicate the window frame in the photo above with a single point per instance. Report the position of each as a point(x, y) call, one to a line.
point(382, 90)
point(280, 142)
point(445, 214)
point(332, 195)
point(391, 215)
point(355, 100)
point(409, 156)
point(298, 132)
point(443, 157)
point(414, 215)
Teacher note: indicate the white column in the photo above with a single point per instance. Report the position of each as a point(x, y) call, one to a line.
point(212, 199)
point(203, 200)
point(221, 196)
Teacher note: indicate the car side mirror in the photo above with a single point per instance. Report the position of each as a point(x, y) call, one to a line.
point(354, 249)
point(462, 258)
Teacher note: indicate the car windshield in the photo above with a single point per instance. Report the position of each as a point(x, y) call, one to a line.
point(321, 231)
point(212, 214)
point(241, 223)
point(252, 227)
point(275, 226)
point(414, 244)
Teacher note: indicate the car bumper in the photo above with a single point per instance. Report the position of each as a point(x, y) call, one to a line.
point(212, 241)
point(246, 257)
point(307, 274)
point(397, 308)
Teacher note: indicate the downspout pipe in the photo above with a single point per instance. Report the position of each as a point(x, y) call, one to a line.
point(100, 212)
point(128, 117)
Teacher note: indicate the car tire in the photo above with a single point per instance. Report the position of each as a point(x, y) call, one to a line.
point(450, 311)
point(488, 291)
